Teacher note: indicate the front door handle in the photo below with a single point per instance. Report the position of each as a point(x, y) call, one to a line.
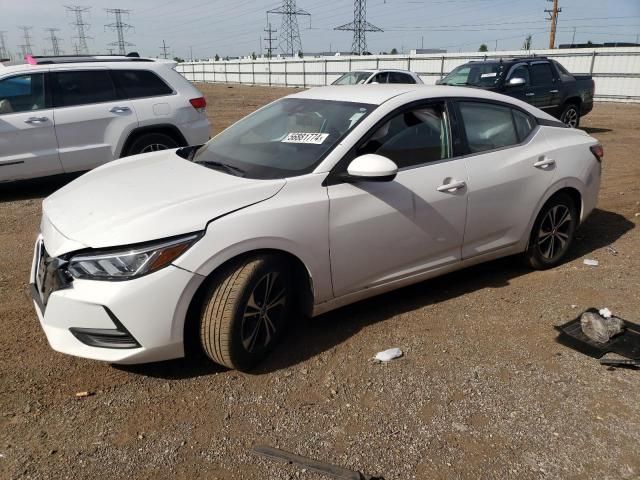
point(452, 186)
point(36, 120)
point(530, 94)
point(553, 91)
point(544, 162)
point(120, 110)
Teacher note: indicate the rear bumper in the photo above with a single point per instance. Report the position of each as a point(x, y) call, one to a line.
point(196, 133)
point(586, 107)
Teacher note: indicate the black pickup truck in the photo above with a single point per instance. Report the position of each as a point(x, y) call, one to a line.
point(540, 81)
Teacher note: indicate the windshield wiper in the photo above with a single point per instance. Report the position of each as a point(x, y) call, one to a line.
point(232, 169)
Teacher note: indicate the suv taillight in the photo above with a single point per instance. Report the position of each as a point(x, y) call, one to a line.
point(198, 103)
point(597, 151)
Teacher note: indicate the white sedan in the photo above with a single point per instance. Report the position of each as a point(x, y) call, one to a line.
point(317, 200)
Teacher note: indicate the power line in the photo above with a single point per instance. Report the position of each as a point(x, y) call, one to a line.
point(26, 47)
point(81, 26)
point(359, 27)
point(119, 26)
point(270, 39)
point(553, 17)
point(55, 41)
point(165, 50)
point(290, 42)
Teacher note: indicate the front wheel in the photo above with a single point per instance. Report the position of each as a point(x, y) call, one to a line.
point(552, 233)
point(570, 115)
point(246, 311)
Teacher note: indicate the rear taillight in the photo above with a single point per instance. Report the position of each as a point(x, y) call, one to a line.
point(597, 151)
point(198, 103)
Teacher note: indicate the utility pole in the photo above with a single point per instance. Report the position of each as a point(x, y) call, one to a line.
point(359, 27)
point(119, 26)
point(81, 26)
point(110, 50)
point(26, 47)
point(4, 53)
point(55, 41)
point(290, 42)
point(165, 50)
point(270, 39)
point(553, 17)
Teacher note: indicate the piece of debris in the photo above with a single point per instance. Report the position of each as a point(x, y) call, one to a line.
point(605, 312)
point(620, 362)
point(600, 328)
point(388, 355)
point(590, 262)
point(83, 394)
point(305, 463)
point(612, 250)
point(573, 305)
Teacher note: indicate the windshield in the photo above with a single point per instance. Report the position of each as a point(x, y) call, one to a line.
point(475, 74)
point(352, 78)
point(287, 138)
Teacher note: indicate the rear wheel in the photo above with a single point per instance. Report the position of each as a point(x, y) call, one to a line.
point(552, 233)
point(151, 142)
point(246, 311)
point(570, 115)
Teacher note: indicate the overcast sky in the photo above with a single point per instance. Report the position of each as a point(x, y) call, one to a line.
point(235, 27)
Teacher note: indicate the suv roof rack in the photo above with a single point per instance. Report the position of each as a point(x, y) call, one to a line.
point(52, 59)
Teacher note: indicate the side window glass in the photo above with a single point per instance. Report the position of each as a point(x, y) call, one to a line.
point(541, 74)
point(487, 126)
point(140, 83)
point(82, 88)
point(397, 77)
point(524, 124)
point(521, 72)
point(22, 93)
point(418, 136)
point(380, 78)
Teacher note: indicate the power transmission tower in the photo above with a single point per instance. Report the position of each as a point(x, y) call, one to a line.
point(270, 39)
point(119, 26)
point(26, 47)
point(81, 26)
point(4, 53)
point(359, 27)
point(553, 16)
point(290, 42)
point(165, 50)
point(55, 41)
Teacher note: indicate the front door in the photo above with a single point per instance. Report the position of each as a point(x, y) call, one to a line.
point(385, 231)
point(542, 83)
point(28, 146)
point(91, 122)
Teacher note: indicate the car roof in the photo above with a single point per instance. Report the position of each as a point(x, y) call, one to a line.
point(378, 70)
point(100, 62)
point(379, 94)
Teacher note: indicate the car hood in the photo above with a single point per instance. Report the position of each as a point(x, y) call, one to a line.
point(143, 198)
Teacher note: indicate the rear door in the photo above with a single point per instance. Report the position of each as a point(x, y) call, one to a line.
point(509, 173)
point(28, 146)
point(91, 122)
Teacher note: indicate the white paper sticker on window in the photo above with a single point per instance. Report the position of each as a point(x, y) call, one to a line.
point(487, 75)
point(313, 138)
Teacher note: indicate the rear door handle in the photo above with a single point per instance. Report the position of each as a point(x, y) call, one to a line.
point(120, 110)
point(530, 94)
point(451, 186)
point(553, 91)
point(36, 120)
point(544, 162)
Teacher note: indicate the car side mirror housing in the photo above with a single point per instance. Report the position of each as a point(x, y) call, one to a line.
point(373, 168)
point(516, 82)
point(439, 82)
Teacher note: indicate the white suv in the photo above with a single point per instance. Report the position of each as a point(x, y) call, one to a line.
point(69, 114)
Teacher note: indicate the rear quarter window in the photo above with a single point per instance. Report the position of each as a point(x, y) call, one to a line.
point(140, 83)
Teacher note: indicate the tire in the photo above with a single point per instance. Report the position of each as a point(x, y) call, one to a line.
point(570, 115)
point(552, 232)
point(236, 329)
point(151, 142)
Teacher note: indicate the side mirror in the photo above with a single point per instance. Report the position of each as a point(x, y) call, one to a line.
point(516, 82)
point(439, 82)
point(373, 168)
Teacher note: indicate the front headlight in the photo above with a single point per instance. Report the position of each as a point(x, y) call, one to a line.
point(130, 263)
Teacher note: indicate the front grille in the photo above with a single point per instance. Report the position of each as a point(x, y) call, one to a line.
point(51, 275)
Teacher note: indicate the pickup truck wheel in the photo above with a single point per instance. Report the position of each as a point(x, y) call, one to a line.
point(151, 142)
point(570, 115)
point(552, 232)
point(246, 311)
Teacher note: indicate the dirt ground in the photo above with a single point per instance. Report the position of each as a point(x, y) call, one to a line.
point(483, 390)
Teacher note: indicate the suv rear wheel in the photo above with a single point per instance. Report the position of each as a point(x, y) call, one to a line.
point(570, 115)
point(151, 142)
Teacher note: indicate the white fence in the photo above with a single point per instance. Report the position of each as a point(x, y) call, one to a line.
point(616, 71)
